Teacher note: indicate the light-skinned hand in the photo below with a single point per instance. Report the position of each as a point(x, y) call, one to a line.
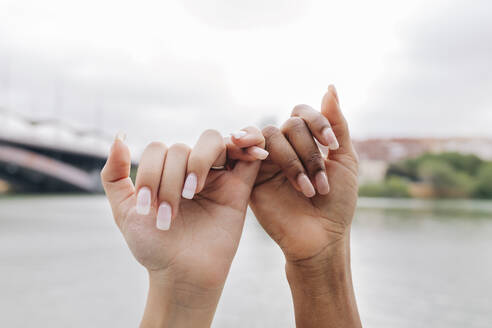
point(183, 220)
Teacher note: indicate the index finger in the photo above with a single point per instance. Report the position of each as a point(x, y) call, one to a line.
point(210, 150)
point(318, 124)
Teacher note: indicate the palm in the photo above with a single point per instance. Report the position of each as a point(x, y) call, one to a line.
point(304, 226)
point(203, 238)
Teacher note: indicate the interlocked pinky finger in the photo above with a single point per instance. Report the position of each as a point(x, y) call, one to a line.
point(247, 145)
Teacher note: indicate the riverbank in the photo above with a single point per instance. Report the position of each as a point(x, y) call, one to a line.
point(65, 264)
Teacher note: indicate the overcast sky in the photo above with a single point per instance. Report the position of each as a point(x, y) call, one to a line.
point(168, 69)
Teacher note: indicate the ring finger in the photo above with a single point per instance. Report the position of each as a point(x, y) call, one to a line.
point(171, 184)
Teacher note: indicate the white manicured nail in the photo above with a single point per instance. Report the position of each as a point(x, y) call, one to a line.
point(121, 136)
point(257, 152)
point(143, 201)
point(332, 88)
point(330, 139)
point(306, 185)
point(239, 134)
point(189, 188)
point(322, 183)
point(164, 213)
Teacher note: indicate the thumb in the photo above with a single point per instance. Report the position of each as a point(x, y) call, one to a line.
point(115, 175)
point(330, 108)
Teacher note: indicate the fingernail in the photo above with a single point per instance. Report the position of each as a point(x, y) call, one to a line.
point(258, 152)
point(332, 88)
point(322, 183)
point(164, 213)
point(330, 138)
point(121, 136)
point(305, 185)
point(189, 188)
point(239, 134)
point(143, 201)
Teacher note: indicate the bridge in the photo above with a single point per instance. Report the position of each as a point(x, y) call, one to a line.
point(34, 161)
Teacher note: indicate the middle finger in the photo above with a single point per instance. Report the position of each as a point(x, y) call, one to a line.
point(302, 141)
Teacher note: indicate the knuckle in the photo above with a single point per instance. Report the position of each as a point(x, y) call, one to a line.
point(217, 140)
point(298, 109)
point(269, 131)
point(194, 159)
point(212, 134)
point(293, 165)
point(156, 145)
point(314, 160)
point(294, 123)
point(253, 129)
point(220, 146)
point(195, 162)
point(179, 147)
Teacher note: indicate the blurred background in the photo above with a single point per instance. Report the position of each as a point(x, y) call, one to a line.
point(415, 82)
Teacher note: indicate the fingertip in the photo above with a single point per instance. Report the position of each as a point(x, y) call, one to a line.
point(119, 146)
point(257, 152)
point(120, 136)
point(305, 185)
point(330, 140)
point(233, 140)
point(326, 103)
point(238, 134)
point(333, 90)
point(330, 105)
point(144, 200)
point(190, 186)
point(164, 216)
point(322, 184)
point(119, 161)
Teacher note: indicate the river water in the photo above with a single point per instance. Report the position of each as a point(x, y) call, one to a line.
point(415, 263)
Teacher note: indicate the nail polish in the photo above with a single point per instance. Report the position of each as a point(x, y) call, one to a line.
point(189, 187)
point(164, 213)
point(143, 201)
point(258, 152)
point(121, 136)
point(305, 185)
point(332, 88)
point(322, 183)
point(330, 138)
point(239, 134)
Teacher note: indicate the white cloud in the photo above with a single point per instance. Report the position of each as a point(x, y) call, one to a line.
point(166, 70)
point(440, 82)
point(239, 14)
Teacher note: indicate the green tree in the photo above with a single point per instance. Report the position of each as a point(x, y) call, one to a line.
point(484, 182)
point(446, 181)
point(391, 187)
point(409, 168)
point(406, 169)
point(460, 162)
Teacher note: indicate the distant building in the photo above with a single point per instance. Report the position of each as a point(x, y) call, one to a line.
point(391, 150)
point(372, 170)
point(376, 154)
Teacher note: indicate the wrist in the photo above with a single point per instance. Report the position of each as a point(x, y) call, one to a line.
point(326, 270)
point(175, 303)
point(322, 288)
